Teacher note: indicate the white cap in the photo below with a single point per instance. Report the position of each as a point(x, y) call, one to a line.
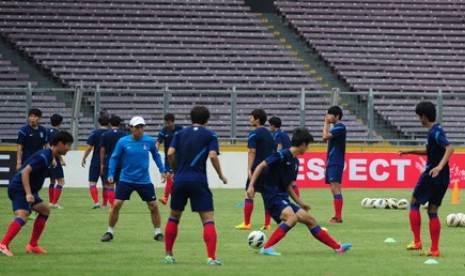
point(137, 120)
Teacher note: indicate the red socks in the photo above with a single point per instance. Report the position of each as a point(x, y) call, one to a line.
point(210, 238)
point(111, 195)
point(94, 193)
point(267, 217)
point(324, 237)
point(415, 222)
point(57, 193)
point(338, 202)
point(105, 196)
point(51, 189)
point(168, 187)
point(248, 208)
point(434, 231)
point(277, 235)
point(171, 231)
point(39, 225)
point(13, 230)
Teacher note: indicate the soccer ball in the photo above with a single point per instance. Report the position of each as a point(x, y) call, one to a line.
point(453, 221)
point(380, 203)
point(462, 222)
point(367, 203)
point(402, 204)
point(392, 203)
point(459, 217)
point(256, 239)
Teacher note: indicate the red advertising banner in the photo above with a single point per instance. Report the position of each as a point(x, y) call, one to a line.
point(374, 170)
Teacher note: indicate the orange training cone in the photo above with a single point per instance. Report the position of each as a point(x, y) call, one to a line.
point(455, 193)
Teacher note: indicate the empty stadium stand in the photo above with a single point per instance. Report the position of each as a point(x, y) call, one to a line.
point(10, 75)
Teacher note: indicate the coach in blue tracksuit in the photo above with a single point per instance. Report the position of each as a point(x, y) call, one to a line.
point(132, 153)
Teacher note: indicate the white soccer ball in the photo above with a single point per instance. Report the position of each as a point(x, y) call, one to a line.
point(402, 204)
point(256, 239)
point(367, 203)
point(459, 217)
point(380, 203)
point(462, 222)
point(453, 221)
point(392, 203)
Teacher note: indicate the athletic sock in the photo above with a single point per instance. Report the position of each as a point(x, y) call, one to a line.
point(338, 202)
point(110, 230)
point(267, 217)
point(51, 190)
point(248, 208)
point(57, 193)
point(210, 238)
point(434, 230)
point(39, 225)
point(157, 231)
point(13, 230)
point(324, 237)
point(277, 235)
point(168, 187)
point(171, 231)
point(415, 222)
point(296, 190)
point(94, 193)
point(111, 196)
point(105, 196)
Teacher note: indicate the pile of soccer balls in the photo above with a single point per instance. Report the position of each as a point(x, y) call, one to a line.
point(456, 220)
point(385, 203)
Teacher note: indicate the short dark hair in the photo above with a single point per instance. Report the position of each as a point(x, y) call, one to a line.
point(35, 111)
point(56, 120)
point(115, 120)
point(169, 117)
point(301, 136)
point(62, 136)
point(275, 121)
point(259, 114)
point(428, 109)
point(103, 120)
point(336, 111)
point(200, 114)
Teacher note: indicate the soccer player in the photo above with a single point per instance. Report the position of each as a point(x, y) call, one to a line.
point(433, 182)
point(93, 142)
point(165, 136)
point(281, 141)
point(56, 174)
point(282, 171)
point(132, 154)
point(23, 191)
point(336, 138)
point(188, 155)
point(107, 146)
point(260, 144)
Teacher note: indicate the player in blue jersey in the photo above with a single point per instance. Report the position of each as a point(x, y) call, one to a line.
point(281, 141)
point(132, 154)
point(336, 138)
point(107, 146)
point(433, 182)
point(282, 171)
point(23, 191)
point(188, 155)
point(57, 178)
point(93, 142)
point(261, 145)
point(165, 136)
point(31, 137)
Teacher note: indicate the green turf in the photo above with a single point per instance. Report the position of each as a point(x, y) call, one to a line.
point(72, 238)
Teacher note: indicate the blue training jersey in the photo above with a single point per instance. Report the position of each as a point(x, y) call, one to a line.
point(336, 146)
point(32, 140)
point(282, 170)
point(435, 147)
point(108, 141)
point(193, 145)
point(133, 155)
point(261, 140)
point(281, 137)
point(51, 132)
point(166, 135)
point(94, 141)
point(40, 163)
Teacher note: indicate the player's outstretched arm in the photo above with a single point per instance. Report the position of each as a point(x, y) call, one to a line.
point(417, 152)
point(217, 166)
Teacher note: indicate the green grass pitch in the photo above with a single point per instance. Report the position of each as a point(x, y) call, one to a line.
point(72, 238)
